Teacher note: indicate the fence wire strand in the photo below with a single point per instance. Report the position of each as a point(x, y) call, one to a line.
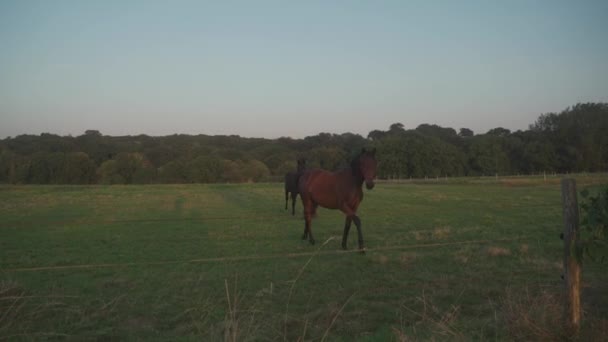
point(256, 217)
point(254, 257)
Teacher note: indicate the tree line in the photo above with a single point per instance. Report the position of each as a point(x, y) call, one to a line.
point(574, 140)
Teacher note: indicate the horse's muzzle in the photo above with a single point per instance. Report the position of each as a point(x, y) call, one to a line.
point(369, 185)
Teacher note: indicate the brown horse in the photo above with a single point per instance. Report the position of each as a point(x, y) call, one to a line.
point(338, 190)
point(291, 185)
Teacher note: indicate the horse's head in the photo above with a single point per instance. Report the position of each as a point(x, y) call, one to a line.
point(365, 165)
point(301, 164)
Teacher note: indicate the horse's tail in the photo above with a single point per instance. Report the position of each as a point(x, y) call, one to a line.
point(286, 190)
point(297, 182)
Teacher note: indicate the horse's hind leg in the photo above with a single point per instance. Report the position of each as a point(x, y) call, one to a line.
point(346, 229)
point(286, 197)
point(294, 196)
point(307, 223)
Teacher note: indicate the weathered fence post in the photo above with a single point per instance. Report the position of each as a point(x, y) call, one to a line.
point(572, 267)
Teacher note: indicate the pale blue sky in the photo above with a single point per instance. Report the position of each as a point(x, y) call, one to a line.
point(286, 68)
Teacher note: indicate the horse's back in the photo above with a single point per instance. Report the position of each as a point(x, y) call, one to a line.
point(319, 187)
point(314, 179)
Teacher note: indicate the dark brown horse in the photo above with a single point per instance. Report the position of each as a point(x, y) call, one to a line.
point(291, 185)
point(338, 190)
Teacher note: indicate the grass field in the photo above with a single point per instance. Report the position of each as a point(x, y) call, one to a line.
point(455, 260)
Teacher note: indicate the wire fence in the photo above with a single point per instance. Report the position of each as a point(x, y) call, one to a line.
point(101, 220)
point(259, 257)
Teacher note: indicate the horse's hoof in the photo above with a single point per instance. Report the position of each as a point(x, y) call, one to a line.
point(304, 237)
point(362, 251)
point(312, 242)
point(344, 247)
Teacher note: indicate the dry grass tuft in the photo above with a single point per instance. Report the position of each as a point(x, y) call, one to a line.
point(439, 321)
point(117, 282)
point(465, 254)
point(540, 317)
point(533, 316)
point(437, 233)
point(441, 232)
point(293, 284)
point(418, 235)
point(497, 251)
point(18, 313)
point(401, 336)
point(382, 259)
point(335, 316)
point(407, 258)
point(240, 322)
point(437, 197)
point(524, 248)
point(596, 330)
point(462, 258)
point(11, 301)
point(9, 289)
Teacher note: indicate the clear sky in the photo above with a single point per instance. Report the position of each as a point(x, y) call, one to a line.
point(287, 68)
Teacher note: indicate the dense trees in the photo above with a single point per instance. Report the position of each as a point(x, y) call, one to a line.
point(574, 140)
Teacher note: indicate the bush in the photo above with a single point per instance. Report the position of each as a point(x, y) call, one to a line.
point(594, 224)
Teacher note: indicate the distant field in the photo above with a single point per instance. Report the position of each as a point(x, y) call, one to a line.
point(446, 260)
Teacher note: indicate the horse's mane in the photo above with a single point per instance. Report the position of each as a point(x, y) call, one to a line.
point(356, 161)
point(354, 164)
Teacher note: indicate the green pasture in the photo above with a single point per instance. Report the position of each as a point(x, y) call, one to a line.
point(446, 260)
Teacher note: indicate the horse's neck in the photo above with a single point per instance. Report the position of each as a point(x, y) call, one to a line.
point(354, 175)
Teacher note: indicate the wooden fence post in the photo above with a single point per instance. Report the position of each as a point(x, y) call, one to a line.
point(572, 267)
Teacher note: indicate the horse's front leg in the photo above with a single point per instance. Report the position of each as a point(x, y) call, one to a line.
point(347, 223)
point(351, 215)
point(294, 196)
point(357, 221)
point(286, 198)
